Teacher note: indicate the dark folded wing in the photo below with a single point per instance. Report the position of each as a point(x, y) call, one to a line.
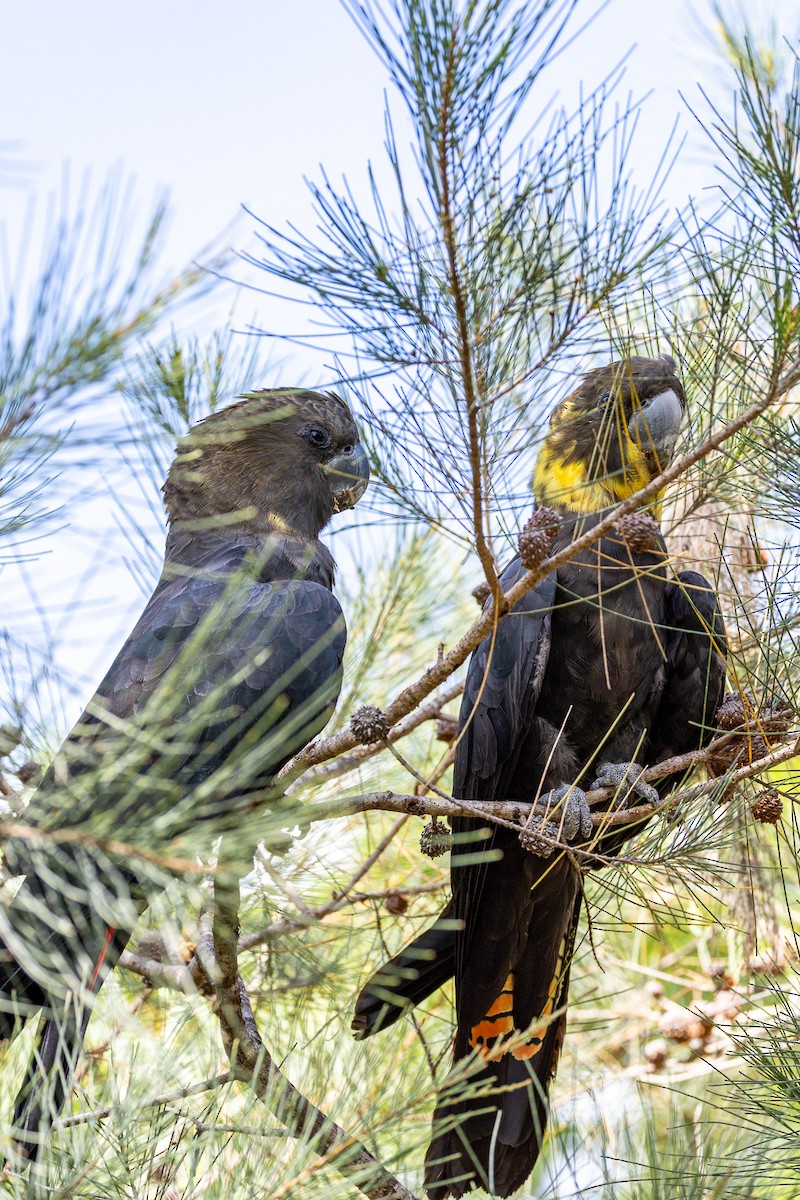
point(222, 679)
point(695, 670)
point(503, 683)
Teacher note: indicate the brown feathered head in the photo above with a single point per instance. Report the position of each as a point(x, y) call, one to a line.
point(282, 459)
point(613, 434)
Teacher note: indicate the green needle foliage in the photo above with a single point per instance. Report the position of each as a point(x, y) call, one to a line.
point(509, 247)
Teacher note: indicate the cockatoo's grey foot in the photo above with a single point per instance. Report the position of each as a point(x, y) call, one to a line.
point(569, 811)
point(625, 779)
point(568, 819)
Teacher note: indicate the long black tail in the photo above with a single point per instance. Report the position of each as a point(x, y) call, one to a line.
point(20, 996)
point(490, 1120)
point(408, 978)
point(51, 1071)
point(56, 949)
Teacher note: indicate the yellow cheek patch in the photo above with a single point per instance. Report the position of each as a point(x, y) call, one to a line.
point(568, 483)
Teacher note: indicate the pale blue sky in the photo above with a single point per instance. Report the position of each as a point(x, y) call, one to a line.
point(233, 103)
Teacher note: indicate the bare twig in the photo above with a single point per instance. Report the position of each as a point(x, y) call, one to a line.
point(510, 813)
point(416, 805)
point(191, 977)
point(444, 159)
point(269, 933)
point(252, 1064)
point(283, 885)
point(348, 762)
point(427, 785)
point(192, 1089)
point(366, 865)
point(124, 850)
point(514, 813)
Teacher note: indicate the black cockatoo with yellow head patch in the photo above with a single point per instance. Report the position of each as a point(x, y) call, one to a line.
point(608, 664)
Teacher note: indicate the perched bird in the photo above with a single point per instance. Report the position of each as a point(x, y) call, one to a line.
point(235, 663)
point(606, 663)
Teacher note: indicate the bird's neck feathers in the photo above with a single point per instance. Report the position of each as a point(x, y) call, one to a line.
point(237, 496)
point(269, 555)
point(575, 485)
point(211, 518)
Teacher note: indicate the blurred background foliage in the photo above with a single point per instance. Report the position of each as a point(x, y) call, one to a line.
point(516, 249)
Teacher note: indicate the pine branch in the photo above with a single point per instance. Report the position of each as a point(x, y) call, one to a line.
point(439, 805)
point(332, 769)
point(252, 1064)
point(191, 977)
point(174, 1097)
point(445, 149)
point(515, 813)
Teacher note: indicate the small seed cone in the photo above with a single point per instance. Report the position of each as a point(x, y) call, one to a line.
point(535, 838)
point(767, 807)
point(736, 709)
point(481, 592)
point(369, 724)
point(639, 532)
point(537, 537)
point(396, 904)
point(435, 839)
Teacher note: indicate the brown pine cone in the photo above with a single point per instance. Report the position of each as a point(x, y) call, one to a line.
point(446, 729)
point(755, 748)
point(767, 807)
point(537, 537)
point(739, 752)
point(639, 532)
point(538, 837)
point(482, 592)
point(657, 1052)
point(545, 519)
point(369, 724)
point(435, 839)
point(777, 715)
point(533, 549)
point(30, 773)
point(736, 709)
point(396, 904)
